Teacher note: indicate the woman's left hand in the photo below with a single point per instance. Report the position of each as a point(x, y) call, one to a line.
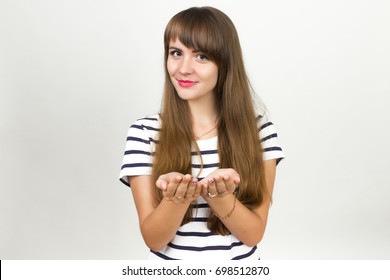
point(220, 183)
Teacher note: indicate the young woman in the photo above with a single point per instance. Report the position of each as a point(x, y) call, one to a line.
point(202, 170)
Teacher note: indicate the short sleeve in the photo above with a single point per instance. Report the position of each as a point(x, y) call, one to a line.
point(139, 149)
point(269, 140)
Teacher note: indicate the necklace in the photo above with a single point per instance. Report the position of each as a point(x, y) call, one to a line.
point(204, 134)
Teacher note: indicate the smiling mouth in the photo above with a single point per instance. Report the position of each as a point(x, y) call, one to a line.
point(185, 83)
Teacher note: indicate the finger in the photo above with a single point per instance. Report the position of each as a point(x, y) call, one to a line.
point(212, 189)
point(198, 190)
point(234, 176)
point(161, 182)
point(236, 180)
point(171, 187)
point(191, 188)
point(182, 187)
point(202, 188)
point(230, 186)
point(220, 185)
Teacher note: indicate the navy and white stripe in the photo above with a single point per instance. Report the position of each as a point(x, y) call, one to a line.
point(193, 240)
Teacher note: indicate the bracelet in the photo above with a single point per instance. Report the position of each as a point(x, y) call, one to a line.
point(230, 213)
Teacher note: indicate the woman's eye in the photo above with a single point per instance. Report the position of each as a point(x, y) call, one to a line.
point(203, 57)
point(175, 53)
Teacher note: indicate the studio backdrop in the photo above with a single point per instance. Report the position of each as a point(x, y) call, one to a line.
point(75, 74)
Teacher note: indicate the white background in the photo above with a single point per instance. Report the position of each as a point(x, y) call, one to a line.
point(74, 74)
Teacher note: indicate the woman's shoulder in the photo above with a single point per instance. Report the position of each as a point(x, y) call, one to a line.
point(262, 118)
point(153, 121)
point(148, 126)
point(269, 138)
point(149, 118)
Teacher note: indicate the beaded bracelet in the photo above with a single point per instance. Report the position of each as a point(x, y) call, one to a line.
point(230, 213)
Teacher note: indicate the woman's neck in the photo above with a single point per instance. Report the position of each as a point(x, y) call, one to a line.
point(204, 119)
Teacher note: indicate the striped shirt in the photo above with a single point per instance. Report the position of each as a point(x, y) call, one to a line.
point(193, 240)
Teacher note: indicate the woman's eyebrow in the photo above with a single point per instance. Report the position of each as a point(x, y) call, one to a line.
point(178, 49)
point(174, 48)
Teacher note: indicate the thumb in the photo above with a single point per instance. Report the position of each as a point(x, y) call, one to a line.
point(161, 184)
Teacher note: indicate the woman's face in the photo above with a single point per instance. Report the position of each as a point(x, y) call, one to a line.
point(192, 74)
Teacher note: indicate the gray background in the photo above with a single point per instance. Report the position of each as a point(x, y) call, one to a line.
point(75, 74)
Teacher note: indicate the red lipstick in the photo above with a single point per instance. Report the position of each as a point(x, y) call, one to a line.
point(185, 83)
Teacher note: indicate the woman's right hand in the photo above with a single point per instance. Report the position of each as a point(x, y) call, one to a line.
point(178, 188)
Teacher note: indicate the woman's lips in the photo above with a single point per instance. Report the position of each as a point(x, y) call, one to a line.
point(185, 83)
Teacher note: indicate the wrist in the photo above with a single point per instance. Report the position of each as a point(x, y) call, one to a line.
point(183, 203)
point(223, 207)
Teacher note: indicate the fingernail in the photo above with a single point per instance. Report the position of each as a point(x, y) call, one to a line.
point(211, 181)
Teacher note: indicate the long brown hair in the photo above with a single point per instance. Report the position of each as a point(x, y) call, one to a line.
point(212, 32)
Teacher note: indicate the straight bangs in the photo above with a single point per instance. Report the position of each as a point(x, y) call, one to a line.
point(196, 28)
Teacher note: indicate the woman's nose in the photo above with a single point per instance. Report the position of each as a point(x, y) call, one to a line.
point(185, 67)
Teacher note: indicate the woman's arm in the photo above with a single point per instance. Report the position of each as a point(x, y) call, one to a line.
point(247, 225)
point(159, 224)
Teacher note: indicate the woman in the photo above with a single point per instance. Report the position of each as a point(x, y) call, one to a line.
point(202, 171)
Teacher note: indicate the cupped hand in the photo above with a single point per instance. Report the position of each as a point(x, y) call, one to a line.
point(220, 183)
point(178, 188)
